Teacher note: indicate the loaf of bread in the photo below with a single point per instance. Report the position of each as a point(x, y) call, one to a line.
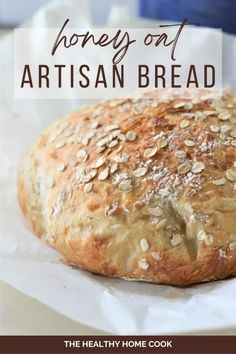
point(141, 188)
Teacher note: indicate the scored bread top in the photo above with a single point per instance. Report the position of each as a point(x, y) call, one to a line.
point(141, 188)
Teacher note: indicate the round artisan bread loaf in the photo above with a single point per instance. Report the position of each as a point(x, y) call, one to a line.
point(139, 188)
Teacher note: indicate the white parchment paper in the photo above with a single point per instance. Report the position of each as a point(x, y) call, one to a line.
point(111, 305)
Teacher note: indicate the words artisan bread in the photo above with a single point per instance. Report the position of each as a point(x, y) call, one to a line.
point(139, 188)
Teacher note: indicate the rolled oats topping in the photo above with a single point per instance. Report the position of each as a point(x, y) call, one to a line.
point(209, 240)
point(233, 142)
point(163, 143)
point(113, 143)
point(202, 236)
point(89, 176)
point(200, 116)
point(113, 168)
point(68, 133)
point(60, 144)
point(143, 264)
point(179, 104)
point(95, 124)
point(231, 175)
point(88, 187)
point(81, 154)
point(180, 154)
point(209, 113)
point(225, 128)
point(157, 211)
point(222, 136)
point(150, 152)
point(85, 141)
point(121, 158)
point(51, 139)
point(99, 162)
point(214, 128)
point(61, 167)
point(121, 176)
point(233, 134)
point(50, 183)
point(220, 182)
point(161, 224)
point(74, 139)
point(189, 143)
point(183, 105)
point(184, 123)
point(176, 240)
point(111, 127)
point(224, 115)
point(198, 167)
point(144, 245)
point(184, 168)
point(121, 137)
point(232, 120)
point(103, 174)
point(125, 186)
point(156, 256)
point(232, 245)
point(139, 172)
point(102, 142)
point(130, 136)
point(101, 149)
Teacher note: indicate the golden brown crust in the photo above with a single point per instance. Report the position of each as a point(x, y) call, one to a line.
point(142, 188)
